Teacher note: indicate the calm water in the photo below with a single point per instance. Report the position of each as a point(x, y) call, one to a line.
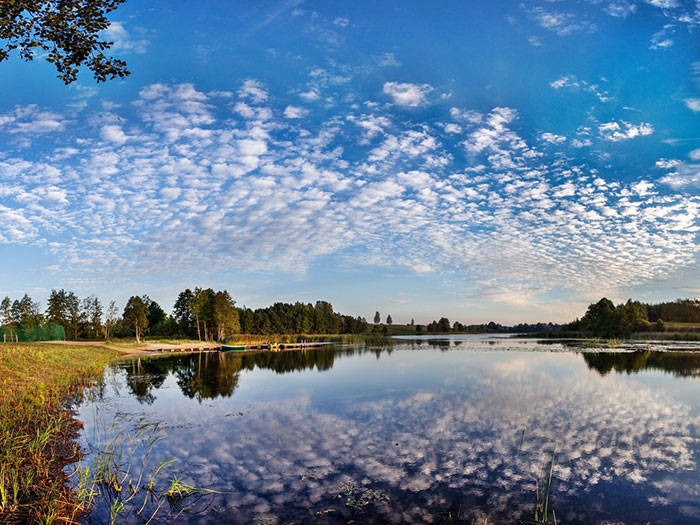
point(416, 432)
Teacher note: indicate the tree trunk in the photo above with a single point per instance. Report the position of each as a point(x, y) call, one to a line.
point(138, 339)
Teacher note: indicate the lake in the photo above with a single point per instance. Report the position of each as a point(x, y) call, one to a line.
point(431, 430)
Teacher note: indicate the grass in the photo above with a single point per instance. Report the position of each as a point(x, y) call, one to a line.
point(118, 482)
point(37, 429)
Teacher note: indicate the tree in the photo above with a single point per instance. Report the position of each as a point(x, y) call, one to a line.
point(111, 318)
point(65, 32)
point(443, 325)
point(25, 313)
point(377, 318)
point(413, 321)
point(73, 313)
point(135, 314)
point(6, 318)
point(183, 314)
point(155, 314)
point(225, 315)
point(57, 308)
point(92, 316)
point(389, 320)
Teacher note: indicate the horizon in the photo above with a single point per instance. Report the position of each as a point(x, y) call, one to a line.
point(400, 159)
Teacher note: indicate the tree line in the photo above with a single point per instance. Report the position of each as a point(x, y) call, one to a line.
point(200, 313)
point(605, 319)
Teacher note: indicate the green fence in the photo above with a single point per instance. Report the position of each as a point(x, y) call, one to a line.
point(49, 332)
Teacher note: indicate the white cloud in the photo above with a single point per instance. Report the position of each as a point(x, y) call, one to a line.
point(661, 39)
point(407, 94)
point(663, 4)
point(620, 8)
point(123, 41)
point(253, 90)
point(693, 104)
point(570, 81)
point(294, 112)
point(114, 133)
point(616, 131)
point(562, 24)
point(310, 95)
point(388, 60)
point(256, 190)
point(31, 120)
point(552, 138)
point(341, 22)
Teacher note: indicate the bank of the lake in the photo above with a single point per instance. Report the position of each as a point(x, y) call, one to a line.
point(37, 427)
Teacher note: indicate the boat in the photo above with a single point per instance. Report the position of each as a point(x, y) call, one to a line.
point(275, 346)
point(233, 348)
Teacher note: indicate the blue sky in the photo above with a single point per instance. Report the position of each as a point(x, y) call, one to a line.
point(481, 160)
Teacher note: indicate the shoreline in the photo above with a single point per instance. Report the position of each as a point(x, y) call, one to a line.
point(38, 427)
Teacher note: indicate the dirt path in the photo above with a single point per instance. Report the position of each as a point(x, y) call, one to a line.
point(133, 348)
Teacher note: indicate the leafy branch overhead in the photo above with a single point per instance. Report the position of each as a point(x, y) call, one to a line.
point(66, 33)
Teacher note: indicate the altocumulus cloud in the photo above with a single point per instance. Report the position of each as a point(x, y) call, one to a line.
point(241, 181)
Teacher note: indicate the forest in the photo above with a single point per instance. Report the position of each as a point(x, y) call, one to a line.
point(213, 315)
point(605, 319)
point(199, 313)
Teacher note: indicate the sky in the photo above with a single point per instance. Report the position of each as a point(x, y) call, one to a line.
point(507, 161)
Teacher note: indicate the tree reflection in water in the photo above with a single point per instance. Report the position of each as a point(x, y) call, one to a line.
point(211, 375)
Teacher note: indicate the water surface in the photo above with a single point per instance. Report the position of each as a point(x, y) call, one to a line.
point(420, 431)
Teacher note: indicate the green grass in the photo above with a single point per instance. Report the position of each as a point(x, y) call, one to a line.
point(37, 430)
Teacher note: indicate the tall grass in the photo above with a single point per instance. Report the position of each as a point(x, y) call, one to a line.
point(37, 429)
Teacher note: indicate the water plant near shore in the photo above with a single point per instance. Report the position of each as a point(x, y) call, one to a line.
point(118, 482)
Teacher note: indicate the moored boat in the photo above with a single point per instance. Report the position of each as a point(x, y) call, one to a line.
point(233, 348)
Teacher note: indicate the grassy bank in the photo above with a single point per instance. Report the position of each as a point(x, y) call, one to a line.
point(37, 430)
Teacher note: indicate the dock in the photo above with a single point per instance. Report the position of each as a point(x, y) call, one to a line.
point(239, 348)
point(274, 346)
point(186, 349)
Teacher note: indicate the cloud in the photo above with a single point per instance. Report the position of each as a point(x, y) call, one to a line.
point(253, 90)
point(123, 41)
point(682, 175)
point(616, 131)
point(310, 95)
point(552, 138)
point(620, 8)
point(571, 82)
point(388, 60)
point(258, 190)
point(662, 38)
point(341, 22)
point(31, 120)
point(114, 133)
point(294, 112)
point(563, 24)
point(407, 94)
point(693, 104)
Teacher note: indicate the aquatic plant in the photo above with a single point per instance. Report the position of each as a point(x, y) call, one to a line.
point(119, 477)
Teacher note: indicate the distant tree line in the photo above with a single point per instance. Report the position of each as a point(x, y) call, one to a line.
point(604, 319)
point(443, 326)
point(199, 313)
